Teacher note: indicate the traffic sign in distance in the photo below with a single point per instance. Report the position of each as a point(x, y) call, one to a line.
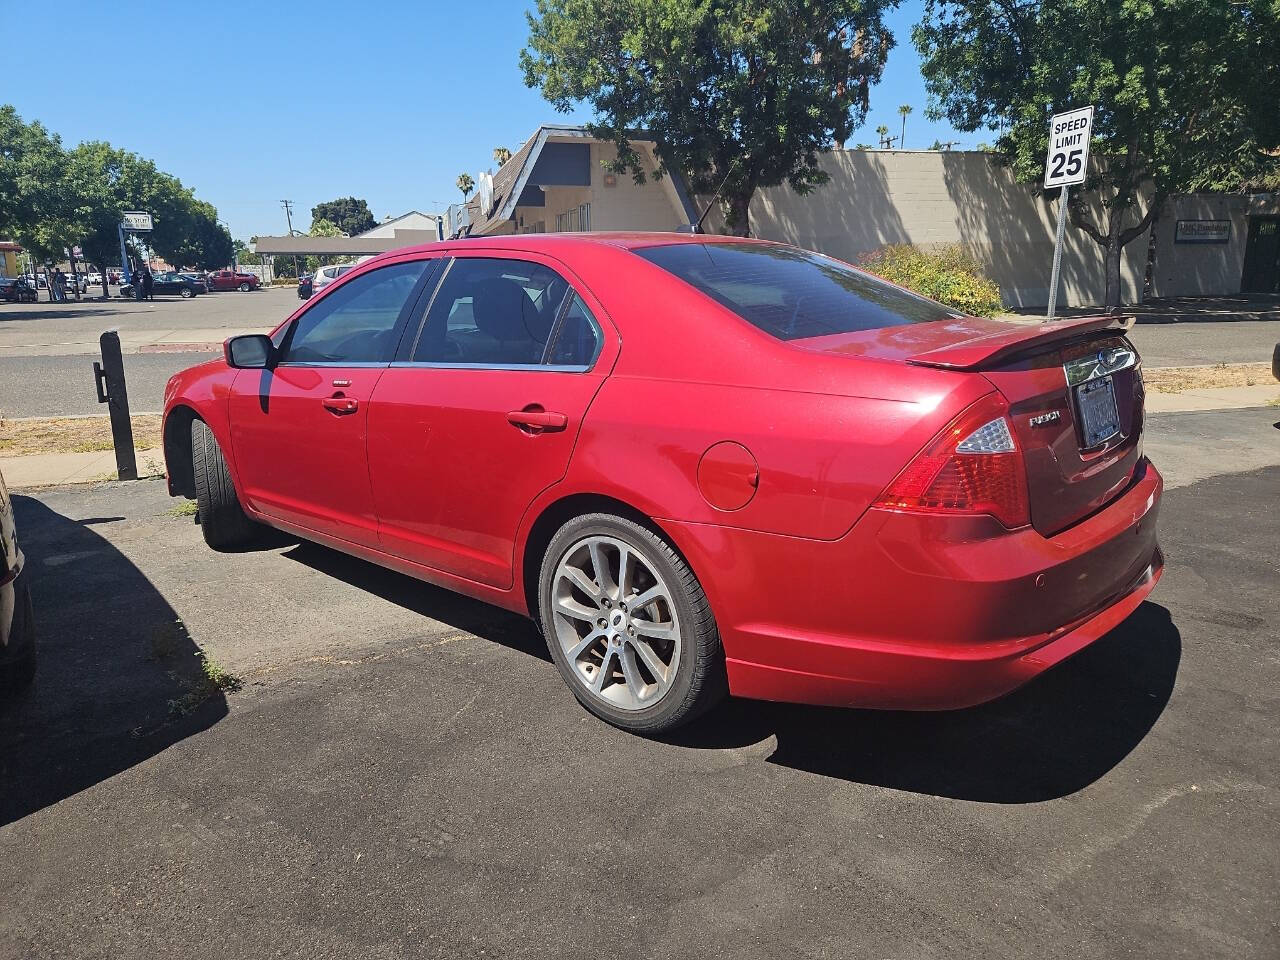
point(1068, 156)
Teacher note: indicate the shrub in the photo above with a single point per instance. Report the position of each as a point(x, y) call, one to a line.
point(946, 274)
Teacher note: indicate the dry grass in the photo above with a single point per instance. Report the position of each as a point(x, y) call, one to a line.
point(1177, 379)
point(19, 438)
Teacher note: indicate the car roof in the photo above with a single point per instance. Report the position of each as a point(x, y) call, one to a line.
point(554, 243)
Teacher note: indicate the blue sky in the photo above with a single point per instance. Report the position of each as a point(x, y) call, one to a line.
point(312, 101)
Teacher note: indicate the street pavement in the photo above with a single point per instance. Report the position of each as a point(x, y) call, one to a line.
point(47, 350)
point(403, 773)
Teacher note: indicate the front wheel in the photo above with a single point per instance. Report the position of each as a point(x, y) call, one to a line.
point(628, 625)
point(223, 522)
point(244, 288)
point(187, 293)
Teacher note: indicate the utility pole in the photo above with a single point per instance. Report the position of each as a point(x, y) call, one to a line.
point(288, 216)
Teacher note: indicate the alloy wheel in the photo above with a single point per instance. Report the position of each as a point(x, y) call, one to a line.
point(616, 622)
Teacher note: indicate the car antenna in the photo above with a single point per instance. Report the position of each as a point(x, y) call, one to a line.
point(696, 226)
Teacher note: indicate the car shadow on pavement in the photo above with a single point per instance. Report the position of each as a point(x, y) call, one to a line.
point(1051, 738)
point(118, 678)
point(484, 620)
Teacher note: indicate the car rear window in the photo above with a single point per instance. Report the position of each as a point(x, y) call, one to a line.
point(790, 293)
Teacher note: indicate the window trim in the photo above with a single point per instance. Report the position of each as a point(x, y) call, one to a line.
point(403, 318)
point(404, 357)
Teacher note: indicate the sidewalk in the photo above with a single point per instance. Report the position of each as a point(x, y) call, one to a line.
point(175, 340)
point(1239, 308)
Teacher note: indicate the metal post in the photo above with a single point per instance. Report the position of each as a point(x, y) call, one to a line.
point(124, 254)
point(1057, 251)
point(108, 380)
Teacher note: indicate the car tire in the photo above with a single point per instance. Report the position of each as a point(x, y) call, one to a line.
point(223, 522)
point(187, 293)
point(17, 675)
point(244, 288)
point(681, 676)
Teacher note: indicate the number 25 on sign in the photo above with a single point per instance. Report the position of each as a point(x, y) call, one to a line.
point(1065, 164)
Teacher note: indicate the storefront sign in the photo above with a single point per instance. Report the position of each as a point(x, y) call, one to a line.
point(1202, 231)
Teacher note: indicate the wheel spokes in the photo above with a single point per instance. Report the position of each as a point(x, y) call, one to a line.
point(614, 620)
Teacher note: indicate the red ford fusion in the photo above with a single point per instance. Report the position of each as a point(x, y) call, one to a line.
point(703, 465)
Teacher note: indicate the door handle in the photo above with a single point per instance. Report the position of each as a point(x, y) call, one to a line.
point(536, 420)
point(341, 405)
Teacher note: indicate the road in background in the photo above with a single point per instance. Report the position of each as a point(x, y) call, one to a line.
point(405, 774)
point(46, 350)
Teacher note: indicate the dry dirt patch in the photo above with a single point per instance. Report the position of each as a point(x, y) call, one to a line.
point(1177, 379)
point(20, 438)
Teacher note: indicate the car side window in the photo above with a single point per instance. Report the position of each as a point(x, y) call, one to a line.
point(491, 311)
point(357, 322)
point(577, 340)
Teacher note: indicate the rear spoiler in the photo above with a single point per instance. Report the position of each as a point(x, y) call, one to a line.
point(1019, 337)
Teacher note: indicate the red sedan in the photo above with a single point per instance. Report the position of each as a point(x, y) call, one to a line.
point(702, 464)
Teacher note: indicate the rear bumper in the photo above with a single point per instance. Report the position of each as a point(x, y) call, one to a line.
point(921, 612)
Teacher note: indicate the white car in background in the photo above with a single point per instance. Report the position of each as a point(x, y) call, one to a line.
point(326, 275)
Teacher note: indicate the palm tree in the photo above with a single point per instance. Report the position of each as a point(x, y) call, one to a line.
point(882, 131)
point(903, 111)
point(465, 184)
point(501, 155)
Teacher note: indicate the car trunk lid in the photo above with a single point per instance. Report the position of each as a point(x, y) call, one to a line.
point(1075, 398)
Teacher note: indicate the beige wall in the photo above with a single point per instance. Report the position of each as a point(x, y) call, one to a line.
point(1199, 269)
point(878, 197)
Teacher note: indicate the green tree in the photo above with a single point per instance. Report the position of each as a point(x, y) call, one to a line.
point(882, 132)
point(1185, 90)
point(501, 155)
point(32, 180)
point(903, 112)
point(352, 215)
point(747, 92)
point(465, 184)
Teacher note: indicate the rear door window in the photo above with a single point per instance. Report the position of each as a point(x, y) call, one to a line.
point(790, 293)
point(492, 312)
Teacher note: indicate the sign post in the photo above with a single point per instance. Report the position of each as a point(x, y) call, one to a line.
point(134, 221)
point(1066, 164)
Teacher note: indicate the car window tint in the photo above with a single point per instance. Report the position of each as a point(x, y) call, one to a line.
point(356, 323)
point(491, 311)
point(790, 293)
point(577, 341)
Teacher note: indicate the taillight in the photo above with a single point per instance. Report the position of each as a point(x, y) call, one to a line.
point(972, 466)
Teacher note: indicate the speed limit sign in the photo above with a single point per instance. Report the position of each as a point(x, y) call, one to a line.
point(1068, 147)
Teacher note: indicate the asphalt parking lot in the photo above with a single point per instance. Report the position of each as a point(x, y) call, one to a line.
point(404, 774)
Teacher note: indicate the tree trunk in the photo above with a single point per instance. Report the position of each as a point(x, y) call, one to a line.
point(739, 219)
point(102, 272)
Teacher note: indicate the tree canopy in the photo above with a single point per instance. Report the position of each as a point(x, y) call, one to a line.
point(52, 199)
point(465, 184)
point(1185, 90)
point(351, 215)
point(742, 91)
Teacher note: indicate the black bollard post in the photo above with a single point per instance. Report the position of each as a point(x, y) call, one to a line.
point(108, 380)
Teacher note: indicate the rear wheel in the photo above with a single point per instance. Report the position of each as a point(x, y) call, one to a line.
point(628, 625)
point(223, 522)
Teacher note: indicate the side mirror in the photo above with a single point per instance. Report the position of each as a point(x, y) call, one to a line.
point(253, 351)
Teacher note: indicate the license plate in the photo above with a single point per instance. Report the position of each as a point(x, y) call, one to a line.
point(1099, 420)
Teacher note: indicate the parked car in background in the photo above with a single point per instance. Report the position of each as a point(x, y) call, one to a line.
point(326, 275)
point(233, 280)
point(93, 279)
point(79, 280)
point(17, 290)
point(17, 622)
point(794, 482)
point(201, 282)
point(167, 283)
point(304, 287)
